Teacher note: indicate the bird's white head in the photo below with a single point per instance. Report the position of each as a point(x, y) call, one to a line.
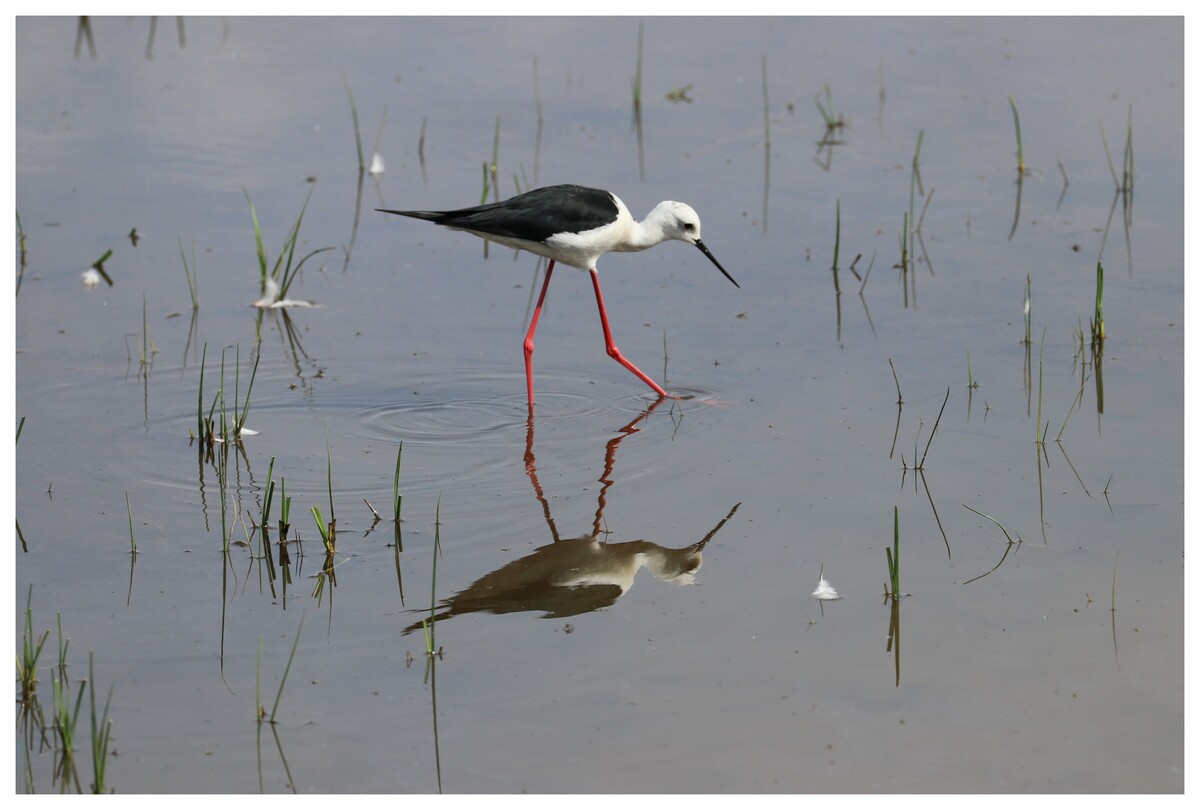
point(676, 220)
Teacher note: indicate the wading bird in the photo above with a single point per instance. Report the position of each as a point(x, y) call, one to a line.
point(574, 225)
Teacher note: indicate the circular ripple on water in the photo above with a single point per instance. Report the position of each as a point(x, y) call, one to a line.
point(476, 404)
point(634, 402)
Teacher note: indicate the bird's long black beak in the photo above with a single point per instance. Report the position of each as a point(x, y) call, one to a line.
point(713, 259)
point(700, 546)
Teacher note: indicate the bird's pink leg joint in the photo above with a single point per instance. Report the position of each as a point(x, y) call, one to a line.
point(533, 322)
point(613, 351)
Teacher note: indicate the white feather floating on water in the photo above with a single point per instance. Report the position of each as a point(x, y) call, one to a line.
point(271, 301)
point(825, 590)
point(284, 304)
point(377, 166)
point(90, 278)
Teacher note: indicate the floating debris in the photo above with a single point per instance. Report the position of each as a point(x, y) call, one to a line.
point(269, 301)
point(91, 277)
point(825, 590)
point(377, 166)
point(679, 94)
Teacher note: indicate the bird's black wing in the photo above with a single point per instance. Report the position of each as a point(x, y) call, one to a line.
point(535, 215)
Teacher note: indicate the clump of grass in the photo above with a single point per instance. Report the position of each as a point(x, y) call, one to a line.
point(31, 651)
point(275, 282)
point(328, 531)
point(64, 644)
point(893, 556)
point(1020, 149)
point(327, 538)
point(101, 732)
point(285, 509)
point(265, 514)
point(65, 719)
point(1098, 333)
point(209, 430)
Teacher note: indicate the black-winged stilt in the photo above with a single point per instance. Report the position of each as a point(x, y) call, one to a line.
point(576, 226)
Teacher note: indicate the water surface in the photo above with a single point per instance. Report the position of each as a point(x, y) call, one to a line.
point(1026, 679)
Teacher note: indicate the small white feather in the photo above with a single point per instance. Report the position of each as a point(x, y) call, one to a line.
point(825, 590)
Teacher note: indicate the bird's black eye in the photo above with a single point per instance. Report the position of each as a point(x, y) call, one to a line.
point(689, 227)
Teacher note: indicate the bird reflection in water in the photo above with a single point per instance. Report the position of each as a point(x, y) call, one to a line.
point(576, 575)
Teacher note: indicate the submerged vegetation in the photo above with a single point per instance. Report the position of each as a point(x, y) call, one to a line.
point(275, 280)
point(58, 731)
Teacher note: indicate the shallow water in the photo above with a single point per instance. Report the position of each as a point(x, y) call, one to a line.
point(1025, 679)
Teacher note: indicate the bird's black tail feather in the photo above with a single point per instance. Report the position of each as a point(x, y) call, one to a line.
point(432, 216)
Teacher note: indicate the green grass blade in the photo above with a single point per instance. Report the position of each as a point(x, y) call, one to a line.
point(1017, 123)
point(354, 116)
point(397, 498)
point(258, 241)
point(287, 669)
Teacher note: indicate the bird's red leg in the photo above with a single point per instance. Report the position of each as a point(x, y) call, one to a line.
point(613, 351)
point(533, 322)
